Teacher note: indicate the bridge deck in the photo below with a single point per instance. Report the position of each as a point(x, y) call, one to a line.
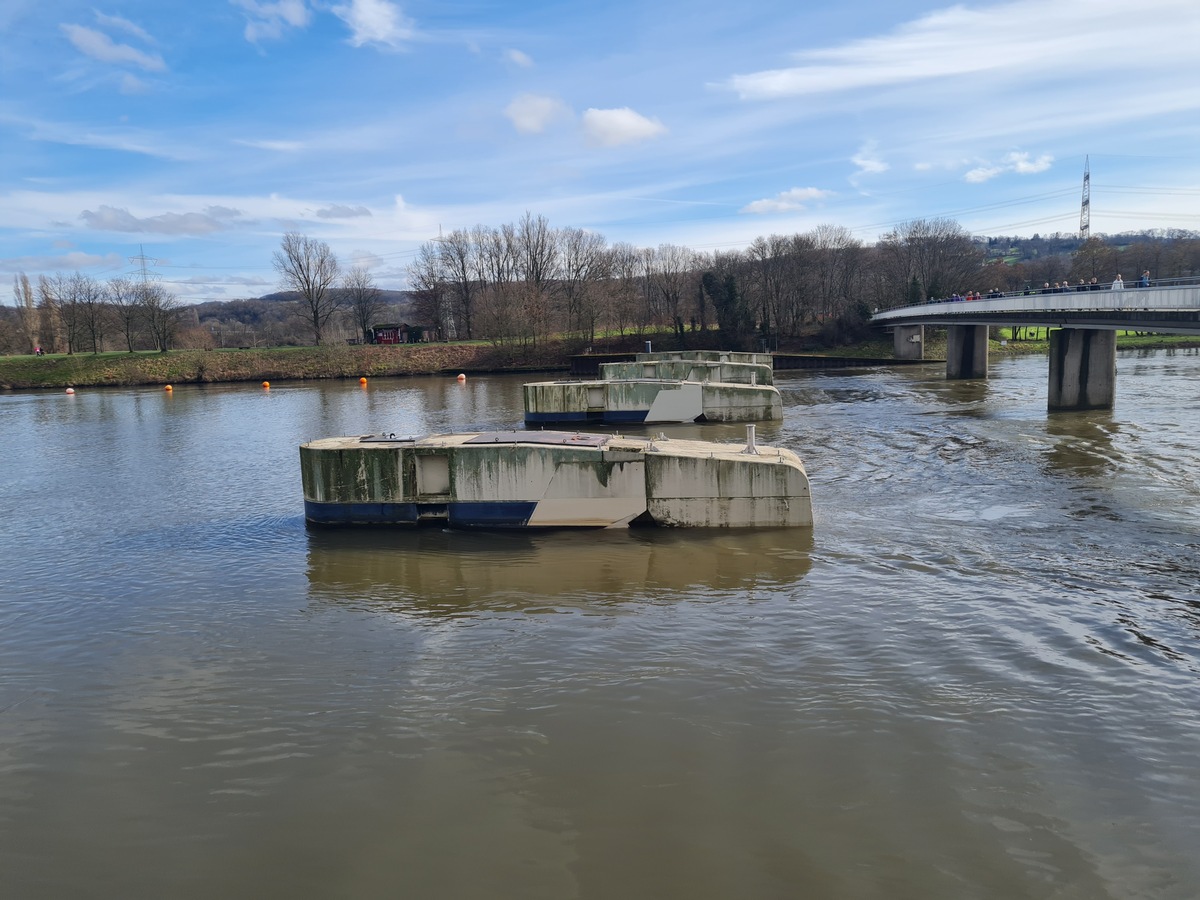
point(1171, 309)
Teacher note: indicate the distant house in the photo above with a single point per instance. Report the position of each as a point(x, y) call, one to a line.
point(401, 333)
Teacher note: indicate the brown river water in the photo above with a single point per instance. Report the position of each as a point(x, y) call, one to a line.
point(978, 676)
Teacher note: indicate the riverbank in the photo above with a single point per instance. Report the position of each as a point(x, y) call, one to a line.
point(343, 361)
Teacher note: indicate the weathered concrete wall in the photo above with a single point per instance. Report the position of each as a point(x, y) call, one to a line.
point(1083, 369)
point(511, 482)
point(908, 342)
point(742, 403)
point(732, 356)
point(966, 351)
point(690, 370)
point(352, 475)
point(724, 492)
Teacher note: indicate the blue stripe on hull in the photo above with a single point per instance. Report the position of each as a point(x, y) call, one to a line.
point(626, 416)
point(496, 514)
point(543, 418)
point(501, 514)
point(360, 513)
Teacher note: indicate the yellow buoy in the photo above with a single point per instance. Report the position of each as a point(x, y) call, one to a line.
point(266, 384)
point(363, 380)
point(168, 388)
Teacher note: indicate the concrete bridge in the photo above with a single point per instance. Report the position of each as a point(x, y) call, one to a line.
point(1083, 347)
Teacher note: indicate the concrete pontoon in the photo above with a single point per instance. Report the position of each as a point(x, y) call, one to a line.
point(551, 479)
point(658, 388)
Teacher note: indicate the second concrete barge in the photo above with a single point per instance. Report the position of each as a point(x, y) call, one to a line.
point(551, 479)
point(660, 388)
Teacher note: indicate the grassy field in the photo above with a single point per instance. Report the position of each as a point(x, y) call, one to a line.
point(271, 364)
point(343, 361)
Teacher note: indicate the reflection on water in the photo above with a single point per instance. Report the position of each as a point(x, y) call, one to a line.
point(977, 677)
point(431, 571)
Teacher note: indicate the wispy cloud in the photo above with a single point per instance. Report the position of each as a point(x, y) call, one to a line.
point(612, 127)
point(337, 211)
point(276, 146)
point(868, 160)
point(375, 22)
point(1072, 36)
point(533, 113)
point(268, 21)
point(788, 201)
point(116, 23)
point(1018, 163)
point(111, 218)
point(99, 46)
point(62, 262)
point(517, 58)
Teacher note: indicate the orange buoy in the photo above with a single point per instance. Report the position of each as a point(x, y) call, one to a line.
point(168, 388)
point(266, 384)
point(462, 377)
point(363, 380)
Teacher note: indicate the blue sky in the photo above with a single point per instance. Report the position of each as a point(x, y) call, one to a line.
point(199, 132)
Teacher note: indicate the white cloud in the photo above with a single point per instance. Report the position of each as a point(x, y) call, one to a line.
point(119, 24)
point(1023, 165)
point(517, 58)
point(1018, 163)
point(787, 201)
point(101, 47)
point(276, 146)
point(868, 160)
point(533, 113)
point(375, 22)
point(63, 262)
point(337, 211)
point(1071, 37)
point(131, 84)
point(110, 218)
point(612, 127)
point(269, 20)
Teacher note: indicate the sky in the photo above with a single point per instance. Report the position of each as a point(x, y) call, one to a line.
point(185, 137)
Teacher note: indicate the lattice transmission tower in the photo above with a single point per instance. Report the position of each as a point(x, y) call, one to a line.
point(1085, 207)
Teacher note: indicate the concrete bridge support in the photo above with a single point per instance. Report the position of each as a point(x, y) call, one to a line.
point(908, 342)
point(1083, 368)
point(966, 351)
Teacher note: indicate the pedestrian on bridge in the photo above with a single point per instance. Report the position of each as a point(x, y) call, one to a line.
point(1145, 282)
point(1118, 284)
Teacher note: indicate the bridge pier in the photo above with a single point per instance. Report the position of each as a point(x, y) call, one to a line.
point(966, 351)
point(1083, 368)
point(908, 342)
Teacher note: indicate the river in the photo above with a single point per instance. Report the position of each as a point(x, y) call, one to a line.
point(977, 676)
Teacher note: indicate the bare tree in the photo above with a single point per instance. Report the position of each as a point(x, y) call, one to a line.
point(623, 285)
point(672, 267)
point(27, 313)
point(57, 297)
point(428, 278)
point(309, 267)
point(938, 253)
point(160, 311)
point(459, 259)
point(93, 310)
point(364, 302)
point(125, 298)
point(584, 264)
point(837, 259)
point(535, 250)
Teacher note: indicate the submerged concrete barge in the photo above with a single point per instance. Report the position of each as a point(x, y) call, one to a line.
point(657, 388)
point(551, 479)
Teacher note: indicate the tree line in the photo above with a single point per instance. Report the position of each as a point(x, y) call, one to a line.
point(73, 313)
point(521, 283)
